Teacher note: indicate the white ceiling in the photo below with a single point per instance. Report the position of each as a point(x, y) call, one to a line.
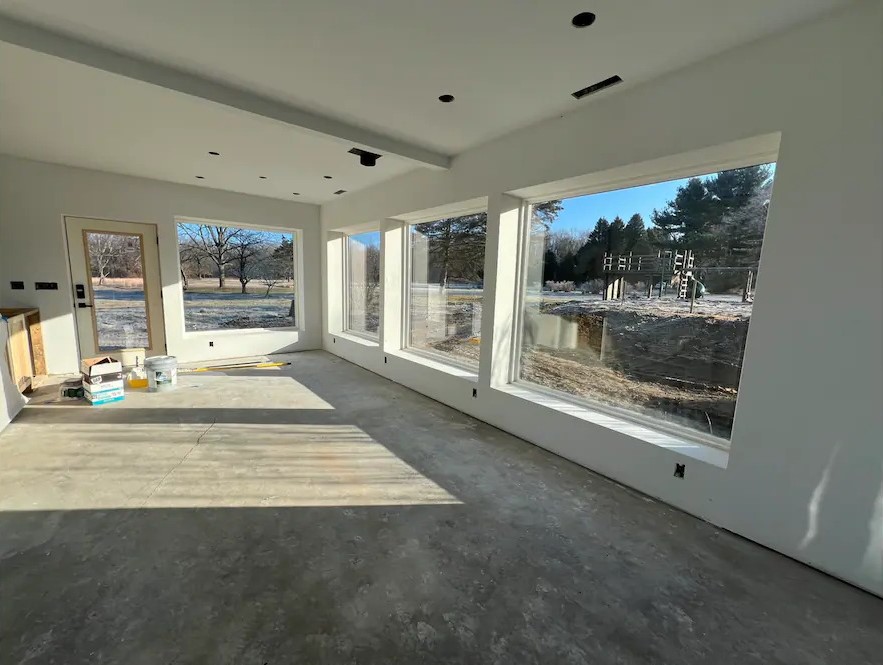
point(58, 111)
point(377, 64)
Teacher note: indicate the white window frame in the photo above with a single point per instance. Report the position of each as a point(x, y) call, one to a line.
point(658, 175)
point(347, 274)
point(297, 235)
point(435, 356)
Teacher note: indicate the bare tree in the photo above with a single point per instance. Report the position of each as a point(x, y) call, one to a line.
point(216, 243)
point(113, 254)
point(246, 252)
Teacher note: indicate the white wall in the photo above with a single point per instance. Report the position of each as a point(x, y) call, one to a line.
point(11, 401)
point(35, 197)
point(805, 472)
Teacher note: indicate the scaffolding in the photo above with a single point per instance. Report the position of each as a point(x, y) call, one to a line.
point(664, 264)
point(666, 267)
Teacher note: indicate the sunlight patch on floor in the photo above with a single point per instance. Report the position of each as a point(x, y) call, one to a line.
point(106, 466)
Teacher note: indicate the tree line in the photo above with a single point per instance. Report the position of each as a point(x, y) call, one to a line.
point(114, 255)
point(220, 252)
point(721, 218)
point(455, 246)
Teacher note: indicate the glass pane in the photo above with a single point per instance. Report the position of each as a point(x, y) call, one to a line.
point(363, 282)
point(641, 298)
point(236, 278)
point(120, 308)
point(447, 287)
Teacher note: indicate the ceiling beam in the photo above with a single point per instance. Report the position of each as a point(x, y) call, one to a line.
point(56, 44)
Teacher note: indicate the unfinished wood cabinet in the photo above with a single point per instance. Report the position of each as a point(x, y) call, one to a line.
point(24, 350)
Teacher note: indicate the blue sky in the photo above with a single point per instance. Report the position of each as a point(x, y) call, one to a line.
point(582, 212)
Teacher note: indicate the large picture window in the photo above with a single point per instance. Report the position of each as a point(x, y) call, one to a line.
point(446, 287)
point(235, 278)
point(363, 283)
point(641, 298)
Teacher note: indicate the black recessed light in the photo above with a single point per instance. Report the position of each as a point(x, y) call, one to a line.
point(212, 152)
point(262, 177)
point(327, 177)
point(583, 20)
point(199, 177)
point(446, 99)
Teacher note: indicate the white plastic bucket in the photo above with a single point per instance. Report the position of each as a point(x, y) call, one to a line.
point(162, 373)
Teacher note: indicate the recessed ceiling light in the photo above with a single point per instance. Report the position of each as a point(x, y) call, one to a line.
point(583, 20)
point(199, 177)
point(327, 177)
point(446, 99)
point(212, 152)
point(262, 177)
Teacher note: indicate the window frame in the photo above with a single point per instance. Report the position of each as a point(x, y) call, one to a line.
point(407, 261)
point(347, 274)
point(653, 176)
point(297, 241)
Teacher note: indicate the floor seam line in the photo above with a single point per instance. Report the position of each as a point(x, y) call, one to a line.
point(174, 468)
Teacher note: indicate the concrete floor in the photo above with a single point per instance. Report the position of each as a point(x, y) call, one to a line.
point(322, 514)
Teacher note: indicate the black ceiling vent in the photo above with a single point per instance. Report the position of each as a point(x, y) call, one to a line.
point(340, 191)
point(365, 158)
point(595, 87)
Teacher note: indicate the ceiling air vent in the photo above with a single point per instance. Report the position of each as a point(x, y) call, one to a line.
point(595, 87)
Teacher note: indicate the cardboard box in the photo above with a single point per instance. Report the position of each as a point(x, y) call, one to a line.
point(100, 365)
point(101, 379)
point(105, 397)
point(104, 387)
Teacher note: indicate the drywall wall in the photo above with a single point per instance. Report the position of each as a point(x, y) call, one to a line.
point(11, 401)
point(35, 197)
point(805, 470)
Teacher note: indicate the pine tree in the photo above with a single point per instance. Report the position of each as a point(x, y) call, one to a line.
point(550, 267)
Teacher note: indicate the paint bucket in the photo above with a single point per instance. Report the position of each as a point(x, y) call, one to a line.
point(162, 373)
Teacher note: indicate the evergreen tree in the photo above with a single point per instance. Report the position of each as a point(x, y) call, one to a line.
point(635, 236)
point(550, 267)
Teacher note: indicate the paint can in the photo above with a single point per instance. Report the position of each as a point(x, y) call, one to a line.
point(162, 373)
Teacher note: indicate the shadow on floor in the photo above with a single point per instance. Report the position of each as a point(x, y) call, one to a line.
point(535, 561)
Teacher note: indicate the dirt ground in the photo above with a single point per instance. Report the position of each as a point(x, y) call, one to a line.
point(658, 358)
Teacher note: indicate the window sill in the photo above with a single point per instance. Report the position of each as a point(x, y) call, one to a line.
point(239, 331)
point(358, 338)
point(682, 445)
point(433, 363)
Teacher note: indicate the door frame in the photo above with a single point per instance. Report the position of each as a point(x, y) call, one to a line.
point(146, 272)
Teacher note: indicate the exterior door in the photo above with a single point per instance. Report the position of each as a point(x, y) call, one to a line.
point(117, 287)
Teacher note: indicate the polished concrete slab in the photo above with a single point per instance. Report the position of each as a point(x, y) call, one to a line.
point(321, 514)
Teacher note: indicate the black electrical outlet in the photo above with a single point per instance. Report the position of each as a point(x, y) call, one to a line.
point(680, 469)
point(16, 286)
point(475, 392)
point(385, 360)
point(211, 343)
point(46, 286)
